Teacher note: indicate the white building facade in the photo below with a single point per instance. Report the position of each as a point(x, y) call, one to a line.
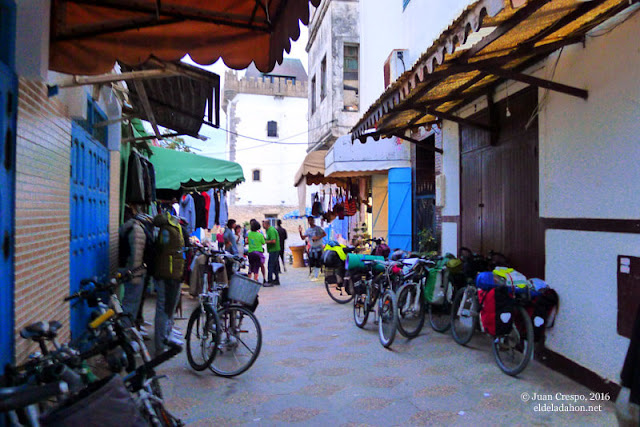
point(267, 119)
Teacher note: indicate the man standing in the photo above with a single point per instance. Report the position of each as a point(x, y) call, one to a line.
point(315, 234)
point(282, 233)
point(273, 248)
point(230, 237)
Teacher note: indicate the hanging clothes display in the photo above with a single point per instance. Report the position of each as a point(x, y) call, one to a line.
point(188, 212)
point(213, 206)
point(216, 196)
point(224, 212)
point(135, 192)
point(207, 204)
point(201, 219)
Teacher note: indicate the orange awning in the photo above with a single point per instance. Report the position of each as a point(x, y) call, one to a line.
point(88, 36)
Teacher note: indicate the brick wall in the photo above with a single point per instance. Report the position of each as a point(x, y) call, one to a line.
point(42, 211)
point(114, 209)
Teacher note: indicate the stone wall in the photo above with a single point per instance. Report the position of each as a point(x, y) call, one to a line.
point(243, 214)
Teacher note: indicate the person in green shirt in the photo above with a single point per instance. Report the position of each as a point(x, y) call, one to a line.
point(273, 247)
point(255, 255)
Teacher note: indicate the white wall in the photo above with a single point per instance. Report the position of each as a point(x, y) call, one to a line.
point(590, 150)
point(384, 26)
point(589, 168)
point(581, 267)
point(278, 162)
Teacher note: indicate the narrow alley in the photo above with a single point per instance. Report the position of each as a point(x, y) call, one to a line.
point(317, 368)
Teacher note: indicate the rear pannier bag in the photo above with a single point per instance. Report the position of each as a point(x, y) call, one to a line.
point(495, 314)
point(542, 310)
point(436, 283)
point(485, 281)
point(331, 259)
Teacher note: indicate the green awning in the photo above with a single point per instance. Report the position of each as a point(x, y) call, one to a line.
point(175, 169)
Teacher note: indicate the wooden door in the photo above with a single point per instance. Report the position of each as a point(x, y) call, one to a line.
point(499, 186)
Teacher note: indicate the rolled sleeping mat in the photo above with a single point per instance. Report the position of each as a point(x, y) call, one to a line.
point(355, 262)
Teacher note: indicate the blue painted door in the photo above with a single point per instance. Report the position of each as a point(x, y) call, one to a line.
point(8, 114)
point(400, 208)
point(89, 213)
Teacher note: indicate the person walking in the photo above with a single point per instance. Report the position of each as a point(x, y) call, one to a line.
point(256, 256)
point(240, 240)
point(132, 234)
point(283, 236)
point(230, 237)
point(273, 248)
point(315, 234)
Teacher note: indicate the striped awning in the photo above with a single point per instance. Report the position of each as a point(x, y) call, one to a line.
point(491, 41)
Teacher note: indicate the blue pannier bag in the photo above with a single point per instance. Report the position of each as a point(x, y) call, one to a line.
point(485, 281)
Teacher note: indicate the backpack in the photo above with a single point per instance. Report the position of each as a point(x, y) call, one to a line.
point(169, 259)
point(149, 247)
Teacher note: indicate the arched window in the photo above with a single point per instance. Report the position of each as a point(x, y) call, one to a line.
point(256, 174)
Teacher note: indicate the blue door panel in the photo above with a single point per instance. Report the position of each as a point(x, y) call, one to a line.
point(8, 109)
point(8, 115)
point(400, 208)
point(89, 204)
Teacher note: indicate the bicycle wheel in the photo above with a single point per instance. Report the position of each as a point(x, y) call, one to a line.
point(202, 338)
point(514, 350)
point(338, 291)
point(410, 310)
point(360, 310)
point(164, 417)
point(440, 315)
point(464, 315)
point(388, 318)
point(240, 341)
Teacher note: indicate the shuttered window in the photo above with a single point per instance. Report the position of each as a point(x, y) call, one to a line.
point(272, 128)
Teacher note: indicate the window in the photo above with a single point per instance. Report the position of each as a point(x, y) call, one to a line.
point(351, 78)
point(313, 95)
point(272, 129)
point(323, 78)
point(272, 218)
point(256, 174)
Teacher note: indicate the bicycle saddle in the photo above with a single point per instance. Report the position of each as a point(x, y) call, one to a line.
point(40, 330)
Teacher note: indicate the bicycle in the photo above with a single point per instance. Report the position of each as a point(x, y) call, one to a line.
point(222, 333)
point(18, 404)
point(337, 280)
point(373, 291)
point(513, 348)
point(411, 301)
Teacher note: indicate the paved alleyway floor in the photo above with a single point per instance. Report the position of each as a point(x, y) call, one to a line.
point(316, 368)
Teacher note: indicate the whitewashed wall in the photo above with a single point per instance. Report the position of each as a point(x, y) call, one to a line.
point(384, 26)
point(589, 168)
point(278, 163)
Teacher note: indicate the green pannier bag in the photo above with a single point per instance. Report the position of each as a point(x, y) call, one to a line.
point(355, 262)
point(437, 282)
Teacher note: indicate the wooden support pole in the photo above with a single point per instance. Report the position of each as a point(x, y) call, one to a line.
point(538, 82)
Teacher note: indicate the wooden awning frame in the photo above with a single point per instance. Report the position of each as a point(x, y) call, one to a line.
point(444, 79)
point(89, 36)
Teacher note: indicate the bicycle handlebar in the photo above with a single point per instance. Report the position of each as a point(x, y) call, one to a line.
point(13, 398)
point(97, 286)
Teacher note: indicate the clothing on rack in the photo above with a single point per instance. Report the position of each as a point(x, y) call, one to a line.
point(213, 206)
point(216, 195)
point(135, 179)
point(188, 212)
point(207, 204)
point(201, 219)
point(224, 212)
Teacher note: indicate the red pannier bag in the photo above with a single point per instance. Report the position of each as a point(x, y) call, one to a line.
point(495, 312)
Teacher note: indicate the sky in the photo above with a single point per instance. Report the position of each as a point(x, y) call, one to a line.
point(215, 145)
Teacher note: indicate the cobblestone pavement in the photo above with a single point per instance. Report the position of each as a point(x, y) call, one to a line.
point(317, 368)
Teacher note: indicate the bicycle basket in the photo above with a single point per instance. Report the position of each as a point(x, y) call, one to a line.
point(243, 289)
